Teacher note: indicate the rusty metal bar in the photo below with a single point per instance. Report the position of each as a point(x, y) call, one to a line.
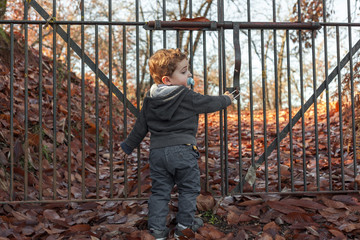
point(54, 103)
point(301, 193)
point(11, 190)
point(40, 116)
point(327, 97)
point(352, 95)
point(276, 77)
point(221, 85)
point(126, 189)
point(111, 89)
point(206, 116)
point(338, 69)
point(211, 25)
point(68, 61)
point(83, 152)
point(315, 111)
point(26, 105)
point(251, 100)
point(302, 110)
point(290, 109)
point(264, 79)
point(138, 94)
point(97, 158)
point(164, 19)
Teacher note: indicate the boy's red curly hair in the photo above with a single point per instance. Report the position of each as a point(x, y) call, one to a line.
point(164, 62)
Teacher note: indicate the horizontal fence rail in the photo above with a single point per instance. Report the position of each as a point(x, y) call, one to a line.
point(63, 155)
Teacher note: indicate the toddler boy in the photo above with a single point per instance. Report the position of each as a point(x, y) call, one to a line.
point(170, 112)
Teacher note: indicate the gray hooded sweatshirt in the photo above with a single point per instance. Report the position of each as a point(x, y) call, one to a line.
point(171, 114)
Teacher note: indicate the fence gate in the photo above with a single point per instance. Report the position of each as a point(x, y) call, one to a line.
point(72, 89)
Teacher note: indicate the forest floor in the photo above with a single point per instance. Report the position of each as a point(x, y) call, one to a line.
point(241, 216)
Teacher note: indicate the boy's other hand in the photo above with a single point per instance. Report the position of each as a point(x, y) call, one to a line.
point(227, 93)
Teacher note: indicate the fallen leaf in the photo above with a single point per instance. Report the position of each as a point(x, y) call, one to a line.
point(205, 202)
point(80, 228)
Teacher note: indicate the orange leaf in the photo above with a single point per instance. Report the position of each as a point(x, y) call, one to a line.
point(80, 228)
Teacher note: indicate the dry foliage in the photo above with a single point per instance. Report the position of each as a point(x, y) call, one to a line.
point(248, 217)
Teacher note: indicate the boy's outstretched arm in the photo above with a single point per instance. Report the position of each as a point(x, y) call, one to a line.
point(207, 104)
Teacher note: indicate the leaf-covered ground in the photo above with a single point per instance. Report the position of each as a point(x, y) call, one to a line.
point(256, 216)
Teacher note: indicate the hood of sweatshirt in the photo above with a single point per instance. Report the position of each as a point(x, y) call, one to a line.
point(164, 100)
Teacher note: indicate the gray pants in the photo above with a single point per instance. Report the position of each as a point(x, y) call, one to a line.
point(169, 166)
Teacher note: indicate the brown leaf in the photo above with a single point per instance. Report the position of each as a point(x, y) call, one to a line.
point(349, 227)
point(271, 228)
point(303, 203)
point(233, 218)
point(357, 179)
point(337, 233)
point(51, 214)
point(346, 199)
point(296, 217)
point(205, 202)
point(210, 232)
point(266, 236)
point(80, 228)
point(27, 230)
point(284, 208)
point(333, 204)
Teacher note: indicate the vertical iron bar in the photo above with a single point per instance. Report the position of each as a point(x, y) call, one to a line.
point(302, 98)
point(241, 185)
point(138, 93)
point(251, 94)
point(277, 99)
point(11, 112)
point(206, 117)
point(226, 167)
point(40, 116)
point(83, 102)
point(340, 106)
point(54, 101)
point(125, 107)
point(111, 106)
point(290, 108)
point(220, 38)
point(26, 136)
point(164, 19)
point(224, 78)
point(177, 38)
point(327, 97)
point(352, 94)
point(315, 112)
point(191, 43)
point(69, 110)
point(240, 143)
point(263, 77)
point(151, 52)
point(97, 159)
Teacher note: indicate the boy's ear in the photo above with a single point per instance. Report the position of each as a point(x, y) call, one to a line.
point(166, 80)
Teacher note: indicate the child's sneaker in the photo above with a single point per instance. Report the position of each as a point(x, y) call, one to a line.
point(159, 234)
point(198, 223)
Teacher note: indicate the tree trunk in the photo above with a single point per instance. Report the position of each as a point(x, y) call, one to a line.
point(279, 68)
point(2, 9)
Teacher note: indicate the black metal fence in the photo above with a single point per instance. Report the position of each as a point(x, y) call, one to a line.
point(294, 129)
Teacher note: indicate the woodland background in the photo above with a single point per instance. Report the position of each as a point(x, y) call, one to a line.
point(95, 172)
